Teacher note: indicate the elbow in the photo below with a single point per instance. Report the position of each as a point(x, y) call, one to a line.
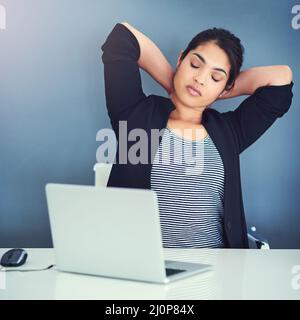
point(125, 23)
point(283, 75)
point(287, 74)
point(290, 73)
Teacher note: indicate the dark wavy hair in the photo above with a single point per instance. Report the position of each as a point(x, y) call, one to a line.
point(226, 41)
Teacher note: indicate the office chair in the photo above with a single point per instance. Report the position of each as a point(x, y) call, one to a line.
point(102, 171)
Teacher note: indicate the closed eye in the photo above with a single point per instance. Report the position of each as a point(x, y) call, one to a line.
point(193, 66)
point(211, 77)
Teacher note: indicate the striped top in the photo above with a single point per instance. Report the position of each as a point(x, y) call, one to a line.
point(188, 178)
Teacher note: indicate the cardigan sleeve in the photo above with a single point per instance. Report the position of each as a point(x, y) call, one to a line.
point(258, 112)
point(123, 86)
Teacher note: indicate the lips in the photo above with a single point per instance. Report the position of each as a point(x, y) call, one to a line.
point(193, 91)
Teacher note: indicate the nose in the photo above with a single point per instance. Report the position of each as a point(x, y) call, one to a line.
point(201, 77)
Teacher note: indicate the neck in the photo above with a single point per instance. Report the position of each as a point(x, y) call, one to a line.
point(186, 113)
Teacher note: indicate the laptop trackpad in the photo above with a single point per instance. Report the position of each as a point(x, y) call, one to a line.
point(171, 271)
point(176, 267)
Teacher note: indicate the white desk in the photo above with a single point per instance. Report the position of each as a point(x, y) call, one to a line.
point(237, 274)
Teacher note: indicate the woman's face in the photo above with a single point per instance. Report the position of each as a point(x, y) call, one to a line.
point(206, 69)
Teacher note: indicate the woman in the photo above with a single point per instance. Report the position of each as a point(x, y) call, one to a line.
point(203, 209)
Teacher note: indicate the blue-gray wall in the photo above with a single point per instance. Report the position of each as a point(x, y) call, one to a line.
point(52, 102)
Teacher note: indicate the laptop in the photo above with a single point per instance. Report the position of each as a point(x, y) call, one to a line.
point(111, 232)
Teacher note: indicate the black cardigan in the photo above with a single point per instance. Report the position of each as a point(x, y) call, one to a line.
point(232, 131)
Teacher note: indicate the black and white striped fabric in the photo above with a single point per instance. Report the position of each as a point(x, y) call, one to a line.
point(188, 177)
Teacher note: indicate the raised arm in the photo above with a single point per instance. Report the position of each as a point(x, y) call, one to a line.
point(253, 78)
point(152, 60)
point(270, 90)
point(123, 86)
point(124, 51)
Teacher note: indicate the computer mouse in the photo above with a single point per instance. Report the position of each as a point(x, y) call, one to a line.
point(14, 258)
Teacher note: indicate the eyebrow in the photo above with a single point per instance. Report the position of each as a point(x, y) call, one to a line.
point(204, 61)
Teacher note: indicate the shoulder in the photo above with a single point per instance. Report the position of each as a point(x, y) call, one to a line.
point(211, 113)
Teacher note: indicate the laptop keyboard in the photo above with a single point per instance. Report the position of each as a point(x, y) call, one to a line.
point(171, 271)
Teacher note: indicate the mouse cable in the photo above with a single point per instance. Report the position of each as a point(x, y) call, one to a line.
point(28, 270)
